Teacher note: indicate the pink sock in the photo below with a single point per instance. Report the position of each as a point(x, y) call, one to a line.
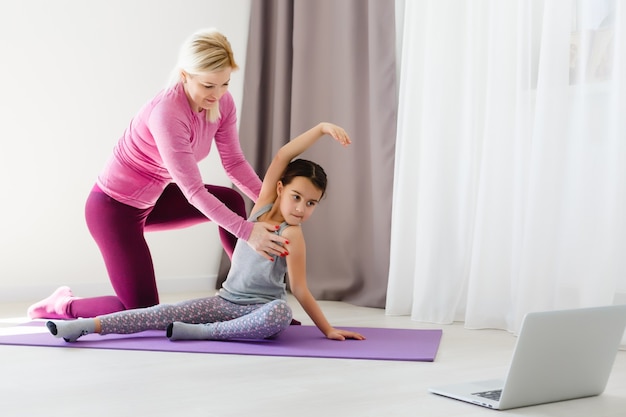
point(53, 307)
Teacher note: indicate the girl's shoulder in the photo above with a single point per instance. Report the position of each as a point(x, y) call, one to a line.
point(293, 233)
point(296, 246)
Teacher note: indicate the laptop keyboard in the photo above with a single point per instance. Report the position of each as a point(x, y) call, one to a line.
point(492, 395)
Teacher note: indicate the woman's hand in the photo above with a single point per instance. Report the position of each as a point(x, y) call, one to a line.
point(337, 132)
point(338, 334)
point(265, 242)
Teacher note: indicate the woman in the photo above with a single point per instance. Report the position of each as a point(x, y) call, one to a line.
point(251, 304)
point(152, 182)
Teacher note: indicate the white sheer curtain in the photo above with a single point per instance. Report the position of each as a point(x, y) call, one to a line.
point(509, 192)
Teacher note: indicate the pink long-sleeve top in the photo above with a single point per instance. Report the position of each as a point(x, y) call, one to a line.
point(164, 143)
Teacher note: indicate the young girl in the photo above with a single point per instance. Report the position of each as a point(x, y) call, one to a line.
point(251, 304)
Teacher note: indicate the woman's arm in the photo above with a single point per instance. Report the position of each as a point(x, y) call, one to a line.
point(261, 236)
point(228, 146)
point(170, 126)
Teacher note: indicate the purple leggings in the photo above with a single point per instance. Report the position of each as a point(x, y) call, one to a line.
point(118, 229)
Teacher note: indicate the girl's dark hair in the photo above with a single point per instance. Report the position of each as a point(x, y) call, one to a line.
point(307, 169)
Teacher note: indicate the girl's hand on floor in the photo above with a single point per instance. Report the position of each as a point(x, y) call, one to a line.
point(338, 334)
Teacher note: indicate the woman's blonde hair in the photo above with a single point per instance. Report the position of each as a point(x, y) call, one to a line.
point(207, 50)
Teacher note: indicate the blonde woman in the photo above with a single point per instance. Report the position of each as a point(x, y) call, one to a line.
point(152, 182)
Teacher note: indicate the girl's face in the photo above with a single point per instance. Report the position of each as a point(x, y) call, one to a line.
point(297, 200)
point(205, 90)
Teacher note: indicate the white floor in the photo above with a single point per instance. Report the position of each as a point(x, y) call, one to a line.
point(60, 382)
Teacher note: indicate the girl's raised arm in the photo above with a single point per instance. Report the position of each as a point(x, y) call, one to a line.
point(291, 150)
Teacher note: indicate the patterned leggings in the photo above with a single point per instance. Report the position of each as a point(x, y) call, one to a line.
point(229, 320)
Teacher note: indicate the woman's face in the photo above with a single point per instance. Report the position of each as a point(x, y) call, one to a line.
point(298, 200)
point(205, 90)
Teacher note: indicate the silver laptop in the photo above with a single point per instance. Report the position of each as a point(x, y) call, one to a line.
point(559, 355)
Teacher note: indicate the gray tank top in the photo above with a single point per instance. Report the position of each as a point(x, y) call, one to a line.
point(252, 279)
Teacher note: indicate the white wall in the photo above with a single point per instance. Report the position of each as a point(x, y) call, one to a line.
point(72, 74)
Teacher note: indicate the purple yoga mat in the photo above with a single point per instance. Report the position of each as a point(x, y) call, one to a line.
point(302, 341)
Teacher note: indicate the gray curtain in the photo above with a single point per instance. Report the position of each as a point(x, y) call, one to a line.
point(329, 60)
